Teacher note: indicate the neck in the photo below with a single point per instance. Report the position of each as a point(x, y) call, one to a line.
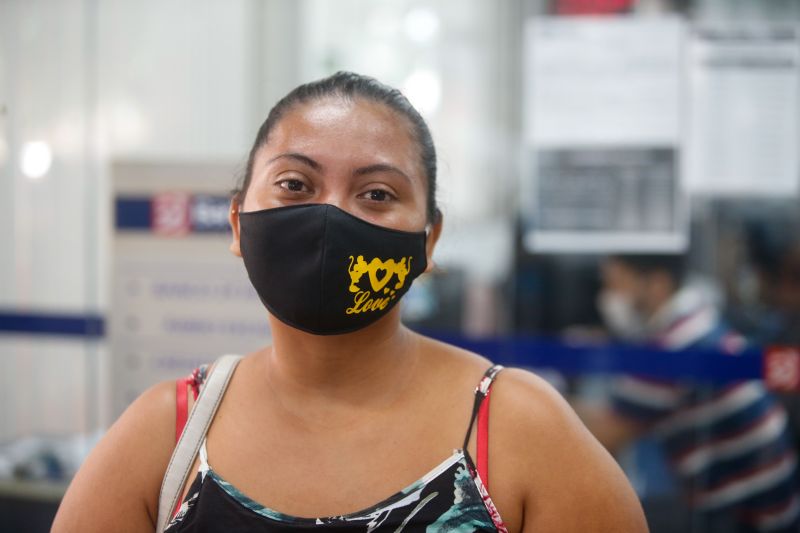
point(366, 365)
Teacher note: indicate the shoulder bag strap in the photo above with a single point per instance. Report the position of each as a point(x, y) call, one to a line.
point(196, 427)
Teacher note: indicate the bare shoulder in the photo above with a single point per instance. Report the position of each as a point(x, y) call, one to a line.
point(452, 359)
point(117, 487)
point(546, 458)
point(543, 460)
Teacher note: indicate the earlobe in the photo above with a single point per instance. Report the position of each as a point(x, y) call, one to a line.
point(430, 243)
point(233, 219)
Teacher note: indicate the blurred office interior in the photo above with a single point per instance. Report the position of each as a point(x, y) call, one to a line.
point(567, 131)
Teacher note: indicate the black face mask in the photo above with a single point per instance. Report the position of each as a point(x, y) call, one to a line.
point(322, 270)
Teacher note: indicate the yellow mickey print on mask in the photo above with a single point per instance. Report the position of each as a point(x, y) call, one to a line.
point(379, 273)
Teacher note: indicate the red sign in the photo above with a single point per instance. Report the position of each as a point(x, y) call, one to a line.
point(171, 214)
point(782, 368)
point(592, 7)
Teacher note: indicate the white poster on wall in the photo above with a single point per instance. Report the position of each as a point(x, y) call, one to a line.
point(743, 110)
point(179, 297)
point(602, 135)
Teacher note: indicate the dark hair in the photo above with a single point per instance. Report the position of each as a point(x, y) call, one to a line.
point(350, 86)
point(673, 265)
point(770, 243)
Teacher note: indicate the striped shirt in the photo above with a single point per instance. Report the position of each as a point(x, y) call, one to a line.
point(730, 445)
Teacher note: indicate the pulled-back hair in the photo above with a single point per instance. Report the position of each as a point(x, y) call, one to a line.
point(349, 86)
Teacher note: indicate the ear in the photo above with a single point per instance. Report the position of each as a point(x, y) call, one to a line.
point(430, 242)
point(233, 219)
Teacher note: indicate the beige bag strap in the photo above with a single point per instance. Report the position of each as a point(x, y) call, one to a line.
point(192, 437)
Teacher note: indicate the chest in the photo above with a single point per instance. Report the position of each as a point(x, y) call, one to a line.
point(324, 469)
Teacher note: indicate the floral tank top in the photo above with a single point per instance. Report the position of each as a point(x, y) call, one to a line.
point(453, 497)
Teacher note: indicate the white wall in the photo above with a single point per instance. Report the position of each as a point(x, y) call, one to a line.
point(48, 249)
point(176, 78)
point(44, 244)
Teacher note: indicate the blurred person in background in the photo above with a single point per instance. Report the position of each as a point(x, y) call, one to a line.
point(728, 446)
point(774, 317)
point(774, 250)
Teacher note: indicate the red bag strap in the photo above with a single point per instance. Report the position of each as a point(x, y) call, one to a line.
point(182, 398)
point(181, 406)
point(482, 441)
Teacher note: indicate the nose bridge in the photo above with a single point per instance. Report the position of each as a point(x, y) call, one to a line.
point(337, 192)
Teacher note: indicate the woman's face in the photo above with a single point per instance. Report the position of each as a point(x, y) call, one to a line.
point(357, 155)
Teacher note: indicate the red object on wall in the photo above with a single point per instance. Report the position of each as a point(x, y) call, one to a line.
point(171, 214)
point(592, 7)
point(782, 368)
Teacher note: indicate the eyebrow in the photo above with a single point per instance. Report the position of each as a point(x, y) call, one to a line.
point(380, 167)
point(300, 158)
point(369, 169)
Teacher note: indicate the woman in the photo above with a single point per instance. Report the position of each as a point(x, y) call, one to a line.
point(336, 216)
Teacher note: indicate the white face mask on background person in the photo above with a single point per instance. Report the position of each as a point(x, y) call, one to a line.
point(620, 316)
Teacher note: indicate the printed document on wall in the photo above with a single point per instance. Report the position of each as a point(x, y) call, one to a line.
point(743, 110)
point(601, 166)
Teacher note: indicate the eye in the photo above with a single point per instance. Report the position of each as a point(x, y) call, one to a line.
point(378, 195)
point(293, 185)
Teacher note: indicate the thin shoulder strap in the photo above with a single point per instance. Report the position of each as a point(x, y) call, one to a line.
point(480, 411)
point(192, 437)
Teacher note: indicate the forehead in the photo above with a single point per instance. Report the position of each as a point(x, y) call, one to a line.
point(335, 129)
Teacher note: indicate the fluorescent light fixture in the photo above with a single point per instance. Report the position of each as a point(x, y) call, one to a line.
point(36, 159)
point(424, 89)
